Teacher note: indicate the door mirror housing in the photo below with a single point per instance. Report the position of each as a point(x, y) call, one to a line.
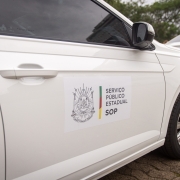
point(142, 34)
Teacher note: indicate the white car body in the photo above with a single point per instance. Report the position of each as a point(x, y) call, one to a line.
point(175, 42)
point(37, 143)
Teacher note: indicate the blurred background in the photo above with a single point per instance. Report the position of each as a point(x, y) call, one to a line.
point(163, 15)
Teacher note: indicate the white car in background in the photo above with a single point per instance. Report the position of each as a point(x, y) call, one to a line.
point(83, 90)
point(175, 42)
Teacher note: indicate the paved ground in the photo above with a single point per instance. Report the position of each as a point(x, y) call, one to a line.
point(152, 166)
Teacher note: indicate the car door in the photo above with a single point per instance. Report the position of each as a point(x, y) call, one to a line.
point(73, 90)
point(2, 150)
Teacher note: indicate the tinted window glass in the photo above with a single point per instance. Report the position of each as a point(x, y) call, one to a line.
point(129, 30)
point(68, 20)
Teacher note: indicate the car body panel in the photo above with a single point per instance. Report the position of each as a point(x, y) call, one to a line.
point(172, 87)
point(100, 160)
point(175, 42)
point(37, 105)
point(2, 150)
point(38, 147)
point(169, 57)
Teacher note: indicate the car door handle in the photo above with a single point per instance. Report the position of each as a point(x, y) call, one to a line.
point(25, 72)
point(8, 73)
point(36, 73)
point(28, 70)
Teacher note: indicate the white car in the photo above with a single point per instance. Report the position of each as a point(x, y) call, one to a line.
point(175, 42)
point(83, 90)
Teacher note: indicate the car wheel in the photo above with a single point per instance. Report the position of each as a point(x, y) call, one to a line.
point(171, 147)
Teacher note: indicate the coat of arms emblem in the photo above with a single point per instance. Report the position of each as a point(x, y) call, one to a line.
point(83, 107)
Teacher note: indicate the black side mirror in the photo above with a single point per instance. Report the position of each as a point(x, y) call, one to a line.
point(142, 35)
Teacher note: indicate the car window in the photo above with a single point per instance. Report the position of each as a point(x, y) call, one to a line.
point(66, 20)
point(129, 30)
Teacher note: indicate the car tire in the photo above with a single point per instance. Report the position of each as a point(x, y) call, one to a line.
point(171, 147)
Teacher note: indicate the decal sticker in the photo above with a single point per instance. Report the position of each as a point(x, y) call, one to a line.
point(100, 102)
point(93, 101)
point(83, 105)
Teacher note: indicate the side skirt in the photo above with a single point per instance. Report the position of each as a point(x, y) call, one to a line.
point(125, 161)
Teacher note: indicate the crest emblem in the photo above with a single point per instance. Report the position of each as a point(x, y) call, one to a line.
point(83, 107)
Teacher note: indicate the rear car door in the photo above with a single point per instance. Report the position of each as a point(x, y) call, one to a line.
point(73, 90)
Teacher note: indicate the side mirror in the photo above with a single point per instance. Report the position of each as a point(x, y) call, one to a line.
point(142, 34)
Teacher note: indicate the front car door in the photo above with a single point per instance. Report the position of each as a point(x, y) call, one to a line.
point(73, 90)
